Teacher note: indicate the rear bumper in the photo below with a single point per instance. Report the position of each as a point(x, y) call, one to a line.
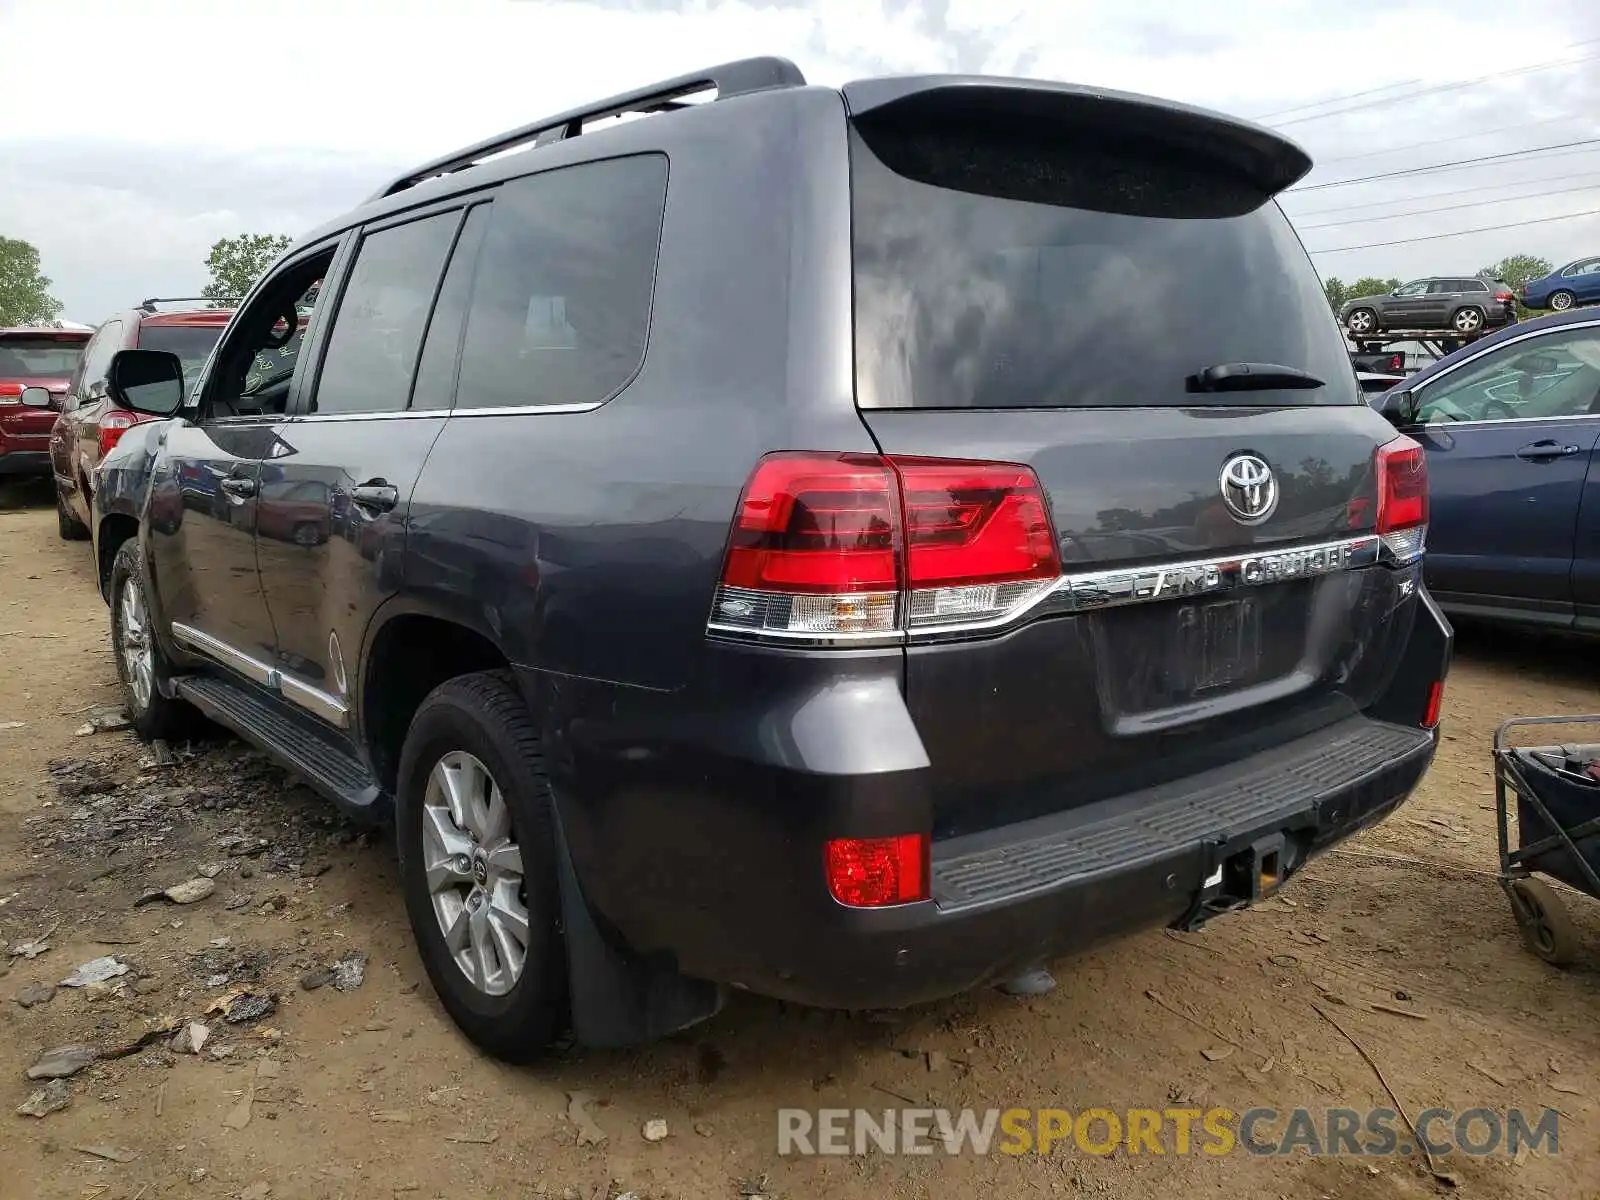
point(696, 826)
point(1024, 895)
point(30, 463)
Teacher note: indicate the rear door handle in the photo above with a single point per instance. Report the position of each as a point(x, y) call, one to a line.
point(238, 487)
point(376, 495)
point(1539, 451)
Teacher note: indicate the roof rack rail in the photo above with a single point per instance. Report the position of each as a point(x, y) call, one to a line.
point(149, 305)
point(730, 79)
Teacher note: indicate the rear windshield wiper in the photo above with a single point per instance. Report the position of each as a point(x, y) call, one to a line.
point(1250, 377)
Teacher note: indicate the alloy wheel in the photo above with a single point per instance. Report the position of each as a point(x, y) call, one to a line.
point(1561, 301)
point(134, 645)
point(1468, 320)
point(474, 873)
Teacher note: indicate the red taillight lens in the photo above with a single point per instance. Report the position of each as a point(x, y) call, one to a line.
point(974, 523)
point(10, 393)
point(1402, 469)
point(1430, 716)
point(1402, 486)
point(829, 544)
point(1397, 362)
point(112, 426)
point(874, 872)
point(1504, 297)
point(816, 523)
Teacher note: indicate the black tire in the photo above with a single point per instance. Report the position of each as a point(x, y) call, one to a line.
point(1562, 300)
point(1353, 322)
point(157, 716)
point(68, 526)
point(483, 715)
point(1546, 928)
point(1467, 320)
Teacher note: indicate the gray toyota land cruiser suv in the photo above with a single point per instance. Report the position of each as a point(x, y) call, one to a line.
point(827, 541)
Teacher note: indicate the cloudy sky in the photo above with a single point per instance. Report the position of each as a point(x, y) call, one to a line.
point(133, 135)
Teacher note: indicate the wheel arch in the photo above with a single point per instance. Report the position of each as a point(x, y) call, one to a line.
point(411, 646)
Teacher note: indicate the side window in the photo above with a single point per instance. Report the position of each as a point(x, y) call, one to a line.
point(377, 328)
point(97, 356)
point(1474, 285)
point(1557, 375)
point(560, 311)
point(1414, 289)
point(1443, 287)
point(254, 366)
point(436, 369)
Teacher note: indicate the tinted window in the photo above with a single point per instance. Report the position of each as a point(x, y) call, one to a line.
point(1557, 375)
point(39, 357)
point(1443, 287)
point(191, 343)
point(1419, 288)
point(436, 369)
point(377, 330)
point(1474, 285)
point(1039, 274)
point(561, 307)
point(97, 359)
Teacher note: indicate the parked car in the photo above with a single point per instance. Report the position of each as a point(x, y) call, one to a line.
point(1575, 284)
point(1510, 426)
point(91, 422)
point(796, 586)
point(42, 359)
point(1455, 304)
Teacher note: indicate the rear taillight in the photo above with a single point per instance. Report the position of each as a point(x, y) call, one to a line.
point(1430, 717)
point(1402, 469)
point(1504, 297)
point(113, 425)
point(10, 393)
point(1397, 363)
point(830, 545)
point(875, 872)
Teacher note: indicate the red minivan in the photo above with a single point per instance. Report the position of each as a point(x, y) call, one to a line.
point(33, 358)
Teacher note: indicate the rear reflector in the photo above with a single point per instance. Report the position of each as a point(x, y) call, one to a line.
point(850, 544)
point(1402, 470)
point(875, 872)
point(1430, 716)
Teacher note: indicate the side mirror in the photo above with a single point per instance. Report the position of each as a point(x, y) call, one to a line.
point(36, 397)
point(1399, 407)
point(146, 381)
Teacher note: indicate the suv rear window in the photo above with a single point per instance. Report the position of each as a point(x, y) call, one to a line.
point(40, 357)
point(191, 343)
point(1013, 272)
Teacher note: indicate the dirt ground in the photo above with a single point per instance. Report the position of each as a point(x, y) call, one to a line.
point(370, 1092)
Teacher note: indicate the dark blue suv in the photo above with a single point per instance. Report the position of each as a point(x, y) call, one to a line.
point(1510, 426)
point(823, 541)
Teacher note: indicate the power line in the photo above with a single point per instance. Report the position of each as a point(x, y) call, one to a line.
point(1460, 137)
point(1440, 88)
point(1283, 112)
point(1570, 147)
point(1434, 237)
point(1473, 191)
point(1423, 212)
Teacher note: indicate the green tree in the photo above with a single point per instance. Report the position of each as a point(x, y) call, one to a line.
point(1371, 285)
point(1517, 269)
point(236, 263)
point(1336, 291)
point(25, 297)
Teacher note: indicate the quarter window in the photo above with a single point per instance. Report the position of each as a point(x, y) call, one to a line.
point(560, 311)
point(377, 330)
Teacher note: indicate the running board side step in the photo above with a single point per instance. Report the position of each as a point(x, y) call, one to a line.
point(322, 758)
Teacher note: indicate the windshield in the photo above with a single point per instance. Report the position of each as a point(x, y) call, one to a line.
point(191, 343)
point(39, 357)
point(1153, 272)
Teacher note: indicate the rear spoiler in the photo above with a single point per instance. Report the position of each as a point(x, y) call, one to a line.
point(1263, 158)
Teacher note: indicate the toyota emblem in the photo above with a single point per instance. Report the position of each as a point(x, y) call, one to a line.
point(1249, 488)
